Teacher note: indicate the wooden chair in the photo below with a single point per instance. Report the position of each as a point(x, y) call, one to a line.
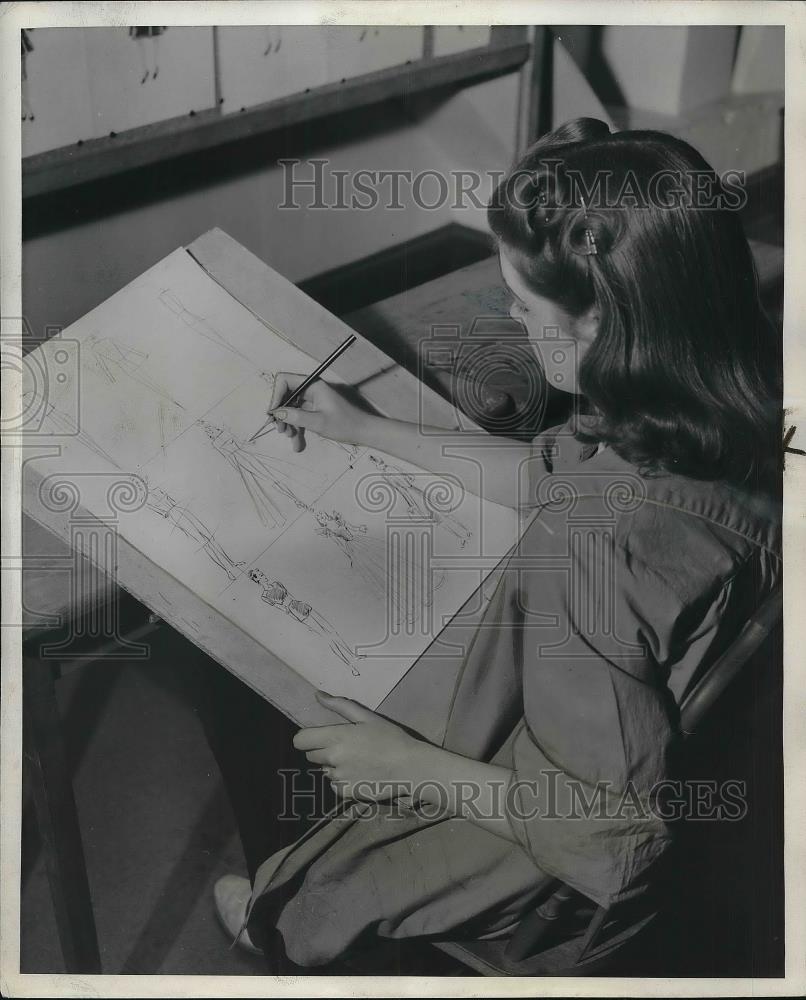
point(607, 934)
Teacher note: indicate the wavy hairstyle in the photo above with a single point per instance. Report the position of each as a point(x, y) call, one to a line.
point(684, 373)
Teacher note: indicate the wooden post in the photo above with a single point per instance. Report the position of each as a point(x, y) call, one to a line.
point(541, 98)
point(52, 787)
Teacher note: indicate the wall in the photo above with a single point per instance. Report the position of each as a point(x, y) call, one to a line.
point(67, 272)
point(719, 87)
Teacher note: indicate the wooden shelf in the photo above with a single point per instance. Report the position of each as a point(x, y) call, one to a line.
point(96, 158)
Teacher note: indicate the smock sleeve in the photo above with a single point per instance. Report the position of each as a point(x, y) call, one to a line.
point(592, 751)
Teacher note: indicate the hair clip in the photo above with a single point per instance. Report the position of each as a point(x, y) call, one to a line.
point(590, 240)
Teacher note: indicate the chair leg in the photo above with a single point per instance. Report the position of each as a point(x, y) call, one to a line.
point(54, 802)
point(537, 924)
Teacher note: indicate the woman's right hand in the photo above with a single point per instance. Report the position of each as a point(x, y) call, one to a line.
point(321, 409)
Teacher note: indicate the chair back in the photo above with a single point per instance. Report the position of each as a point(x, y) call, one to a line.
point(697, 704)
point(694, 710)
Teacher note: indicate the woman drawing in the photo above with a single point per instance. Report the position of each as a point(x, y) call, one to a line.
point(654, 535)
point(277, 595)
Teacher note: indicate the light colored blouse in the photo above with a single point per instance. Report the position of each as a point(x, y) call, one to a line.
point(621, 591)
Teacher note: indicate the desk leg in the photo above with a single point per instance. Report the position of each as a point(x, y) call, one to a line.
point(55, 805)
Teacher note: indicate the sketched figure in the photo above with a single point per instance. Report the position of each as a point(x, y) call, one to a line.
point(265, 479)
point(197, 323)
point(351, 450)
point(112, 360)
point(147, 39)
point(276, 595)
point(274, 40)
point(26, 46)
point(405, 485)
point(185, 520)
point(62, 423)
point(370, 558)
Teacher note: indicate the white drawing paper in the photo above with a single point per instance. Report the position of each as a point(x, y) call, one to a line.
point(343, 561)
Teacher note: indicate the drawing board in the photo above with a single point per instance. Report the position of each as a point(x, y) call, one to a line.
point(344, 562)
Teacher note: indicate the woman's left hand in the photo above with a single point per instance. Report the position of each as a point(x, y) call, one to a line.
point(371, 759)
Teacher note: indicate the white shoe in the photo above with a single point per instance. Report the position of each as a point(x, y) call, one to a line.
point(232, 894)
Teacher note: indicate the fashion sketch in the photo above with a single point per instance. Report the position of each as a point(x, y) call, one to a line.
point(277, 596)
point(112, 360)
point(273, 38)
point(147, 41)
point(59, 422)
point(271, 483)
point(185, 520)
point(372, 560)
point(405, 486)
point(350, 450)
point(198, 323)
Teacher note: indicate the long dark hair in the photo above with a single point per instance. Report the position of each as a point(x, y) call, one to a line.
point(684, 373)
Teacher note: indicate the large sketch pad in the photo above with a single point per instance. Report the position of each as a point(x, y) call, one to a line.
point(167, 381)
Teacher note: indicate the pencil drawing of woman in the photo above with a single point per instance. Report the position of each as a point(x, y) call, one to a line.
point(276, 594)
point(185, 520)
point(265, 479)
point(147, 39)
point(405, 485)
point(373, 561)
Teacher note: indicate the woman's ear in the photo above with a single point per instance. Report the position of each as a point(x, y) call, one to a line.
point(586, 326)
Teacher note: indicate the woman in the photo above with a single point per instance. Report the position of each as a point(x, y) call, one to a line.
point(654, 534)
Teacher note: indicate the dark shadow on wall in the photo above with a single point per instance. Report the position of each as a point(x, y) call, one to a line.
point(584, 45)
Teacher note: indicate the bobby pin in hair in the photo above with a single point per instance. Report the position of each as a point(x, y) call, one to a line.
point(590, 239)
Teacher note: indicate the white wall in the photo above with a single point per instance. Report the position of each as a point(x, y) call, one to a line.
point(67, 273)
point(670, 69)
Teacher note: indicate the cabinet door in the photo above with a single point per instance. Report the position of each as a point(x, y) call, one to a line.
point(141, 75)
point(55, 89)
point(261, 63)
point(355, 50)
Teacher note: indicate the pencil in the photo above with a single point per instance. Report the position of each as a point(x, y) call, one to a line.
point(304, 385)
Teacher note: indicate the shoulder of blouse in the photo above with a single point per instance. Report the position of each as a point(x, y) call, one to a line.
point(690, 534)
